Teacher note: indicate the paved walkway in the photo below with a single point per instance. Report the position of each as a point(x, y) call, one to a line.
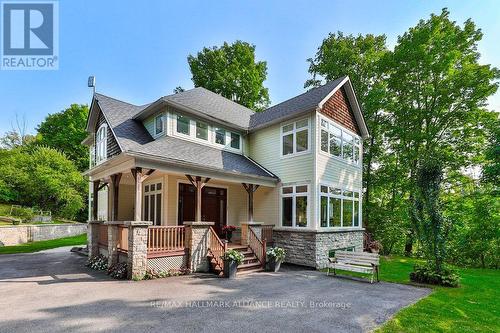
point(52, 291)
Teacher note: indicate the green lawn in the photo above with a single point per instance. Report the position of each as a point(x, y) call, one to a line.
point(474, 307)
point(44, 245)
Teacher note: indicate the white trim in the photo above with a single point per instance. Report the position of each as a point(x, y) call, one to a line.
point(354, 104)
point(101, 146)
point(330, 94)
point(211, 134)
point(294, 195)
point(341, 197)
point(342, 129)
point(294, 137)
point(163, 116)
point(150, 182)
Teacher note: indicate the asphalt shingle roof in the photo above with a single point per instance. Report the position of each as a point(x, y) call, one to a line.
point(212, 105)
point(132, 136)
point(294, 106)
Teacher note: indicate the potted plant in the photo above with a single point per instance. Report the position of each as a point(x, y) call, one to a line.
point(375, 247)
point(232, 259)
point(228, 231)
point(275, 256)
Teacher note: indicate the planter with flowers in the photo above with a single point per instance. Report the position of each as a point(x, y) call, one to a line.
point(228, 231)
point(232, 259)
point(275, 256)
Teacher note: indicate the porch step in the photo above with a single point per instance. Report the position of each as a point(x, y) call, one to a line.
point(248, 271)
point(252, 265)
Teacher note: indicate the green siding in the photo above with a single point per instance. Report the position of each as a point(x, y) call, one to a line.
point(265, 149)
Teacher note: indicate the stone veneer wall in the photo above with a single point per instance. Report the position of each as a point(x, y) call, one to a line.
point(310, 248)
point(31, 233)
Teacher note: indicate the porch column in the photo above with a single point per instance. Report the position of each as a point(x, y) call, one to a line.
point(139, 177)
point(250, 188)
point(198, 242)
point(115, 186)
point(95, 192)
point(112, 243)
point(198, 184)
point(93, 238)
point(137, 260)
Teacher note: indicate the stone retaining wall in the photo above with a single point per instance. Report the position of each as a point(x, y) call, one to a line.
point(311, 248)
point(31, 233)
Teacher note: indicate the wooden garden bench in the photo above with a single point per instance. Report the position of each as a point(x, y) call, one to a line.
point(362, 262)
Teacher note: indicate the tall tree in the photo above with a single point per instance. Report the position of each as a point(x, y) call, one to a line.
point(359, 57)
point(232, 71)
point(439, 91)
point(65, 132)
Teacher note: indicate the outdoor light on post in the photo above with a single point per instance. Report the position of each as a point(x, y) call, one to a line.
point(91, 82)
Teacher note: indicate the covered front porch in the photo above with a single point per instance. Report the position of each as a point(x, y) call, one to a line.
point(172, 206)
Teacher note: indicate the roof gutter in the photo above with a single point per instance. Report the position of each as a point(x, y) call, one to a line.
point(178, 163)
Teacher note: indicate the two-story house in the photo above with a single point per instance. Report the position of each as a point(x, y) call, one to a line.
point(197, 156)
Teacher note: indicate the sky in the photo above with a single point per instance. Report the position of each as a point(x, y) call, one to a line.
point(137, 50)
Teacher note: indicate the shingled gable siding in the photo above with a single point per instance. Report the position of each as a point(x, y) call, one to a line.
point(112, 146)
point(339, 109)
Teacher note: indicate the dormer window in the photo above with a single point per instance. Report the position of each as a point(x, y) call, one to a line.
point(159, 124)
point(183, 125)
point(201, 130)
point(101, 140)
point(235, 141)
point(220, 136)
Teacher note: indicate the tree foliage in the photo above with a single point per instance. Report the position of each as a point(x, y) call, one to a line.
point(425, 99)
point(65, 132)
point(42, 177)
point(232, 71)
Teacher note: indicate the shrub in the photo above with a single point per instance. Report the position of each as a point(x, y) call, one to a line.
point(233, 255)
point(428, 274)
point(152, 274)
point(276, 252)
point(99, 263)
point(25, 214)
point(118, 271)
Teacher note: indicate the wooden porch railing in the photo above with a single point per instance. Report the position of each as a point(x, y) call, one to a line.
point(267, 232)
point(257, 246)
point(216, 248)
point(122, 238)
point(165, 241)
point(102, 235)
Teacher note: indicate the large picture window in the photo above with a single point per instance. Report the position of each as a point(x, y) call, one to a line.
point(152, 208)
point(101, 142)
point(294, 208)
point(338, 142)
point(295, 137)
point(338, 207)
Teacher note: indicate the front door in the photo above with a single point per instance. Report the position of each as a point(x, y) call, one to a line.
point(213, 205)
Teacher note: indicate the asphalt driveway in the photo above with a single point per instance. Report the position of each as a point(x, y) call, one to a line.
point(52, 291)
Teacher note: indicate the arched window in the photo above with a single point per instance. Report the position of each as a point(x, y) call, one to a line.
point(101, 140)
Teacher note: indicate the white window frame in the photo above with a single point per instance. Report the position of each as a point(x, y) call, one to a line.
point(162, 119)
point(294, 137)
point(211, 134)
point(342, 197)
point(101, 144)
point(294, 196)
point(342, 129)
point(144, 193)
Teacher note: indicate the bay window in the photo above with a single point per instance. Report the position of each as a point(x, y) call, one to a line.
point(294, 206)
point(295, 137)
point(338, 142)
point(338, 207)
